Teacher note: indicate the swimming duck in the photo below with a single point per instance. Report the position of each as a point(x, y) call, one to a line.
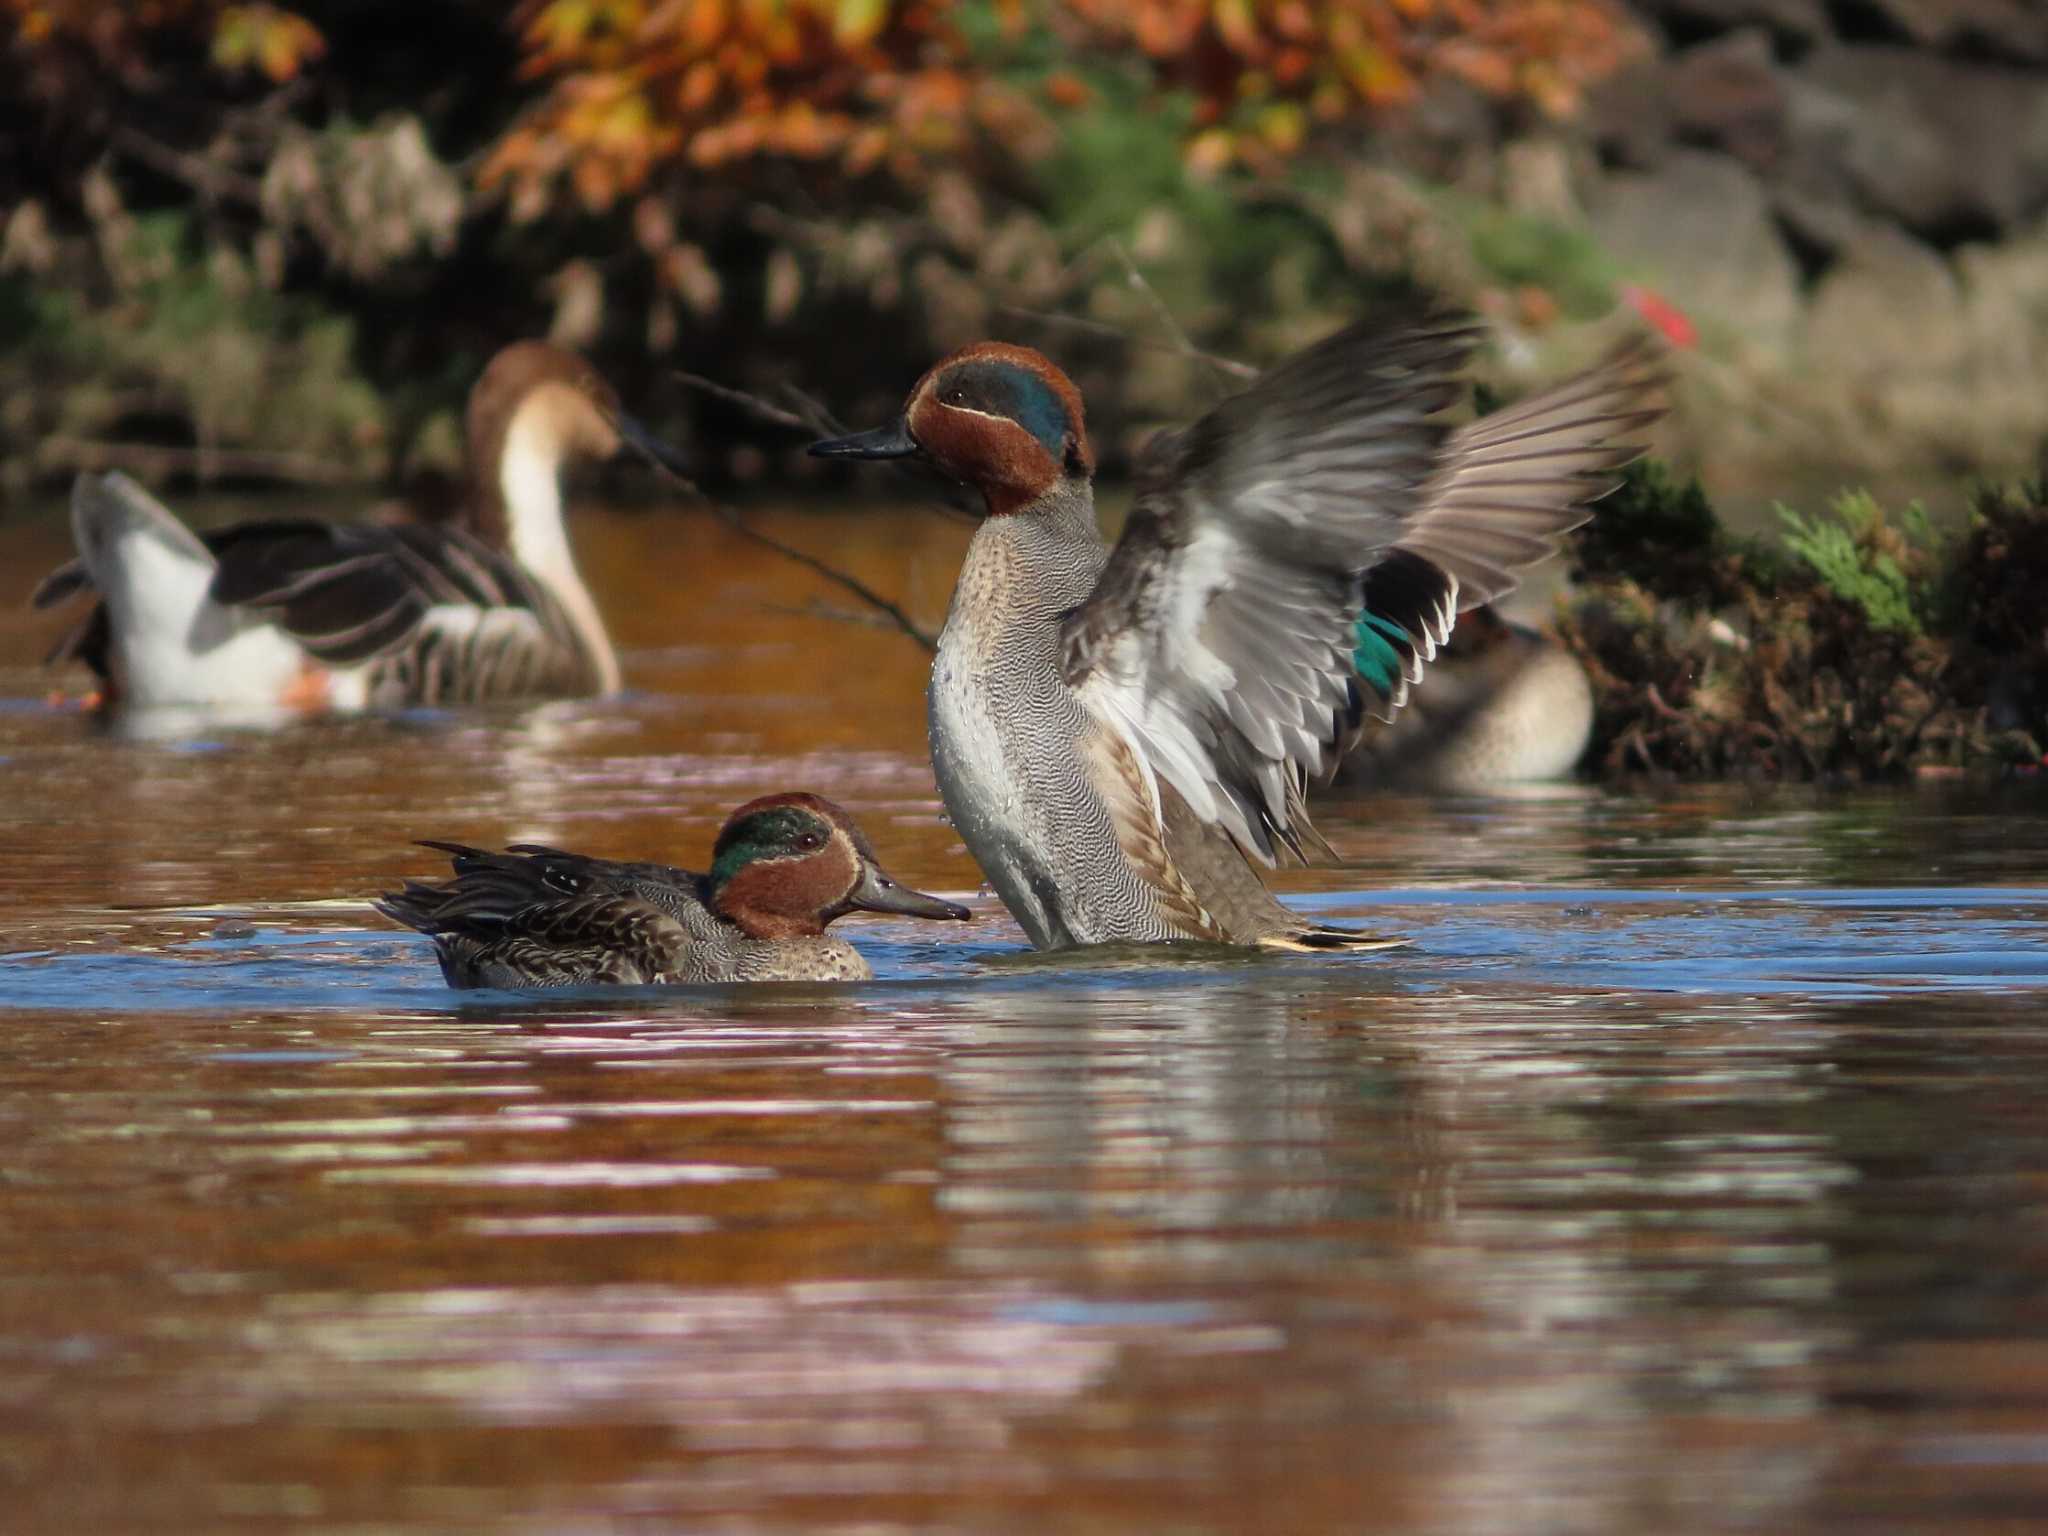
point(1505, 704)
point(783, 867)
point(1119, 733)
point(313, 615)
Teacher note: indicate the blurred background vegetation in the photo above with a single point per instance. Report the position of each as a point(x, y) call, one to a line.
point(276, 242)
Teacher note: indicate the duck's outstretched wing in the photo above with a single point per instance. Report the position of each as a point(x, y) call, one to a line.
point(1507, 488)
point(1304, 548)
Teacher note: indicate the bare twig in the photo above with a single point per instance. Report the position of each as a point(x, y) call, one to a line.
point(746, 400)
point(812, 418)
point(1216, 360)
point(817, 608)
point(1182, 342)
point(846, 581)
point(210, 180)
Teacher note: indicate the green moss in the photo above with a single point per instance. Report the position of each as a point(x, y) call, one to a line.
point(1869, 649)
point(1518, 249)
point(1863, 560)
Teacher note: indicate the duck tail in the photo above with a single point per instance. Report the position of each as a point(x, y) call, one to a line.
point(150, 567)
point(418, 906)
point(159, 626)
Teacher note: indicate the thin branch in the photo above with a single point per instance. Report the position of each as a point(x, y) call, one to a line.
point(846, 581)
point(1216, 360)
point(814, 420)
point(747, 401)
point(209, 179)
point(1182, 342)
point(817, 608)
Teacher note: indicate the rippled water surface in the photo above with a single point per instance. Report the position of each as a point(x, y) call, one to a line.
point(1689, 1173)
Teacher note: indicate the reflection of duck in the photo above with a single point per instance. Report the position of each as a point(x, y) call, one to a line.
point(1117, 733)
point(1503, 704)
point(783, 867)
point(317, 615)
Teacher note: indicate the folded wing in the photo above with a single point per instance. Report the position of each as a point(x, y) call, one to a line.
point(351, 592)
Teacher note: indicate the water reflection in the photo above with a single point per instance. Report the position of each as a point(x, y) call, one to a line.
point(1684, 1174)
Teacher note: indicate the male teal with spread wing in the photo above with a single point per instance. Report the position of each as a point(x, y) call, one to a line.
point(1117, 734)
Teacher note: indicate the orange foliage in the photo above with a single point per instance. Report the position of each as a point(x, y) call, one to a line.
point(634, 85)
point(267, 38)
point(640, 83)
point(1262, 70)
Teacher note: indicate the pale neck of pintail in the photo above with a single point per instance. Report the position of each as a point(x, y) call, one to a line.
point(529, 482)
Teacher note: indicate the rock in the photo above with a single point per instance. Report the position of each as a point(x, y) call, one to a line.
point(2005, 323)
point(1699, 230)
point(1730, 93)
point(1951, 150)
point(1628, 115)
point(1803, 21)
point(1884, 343)
point(1891, 301)
point(2007, 29)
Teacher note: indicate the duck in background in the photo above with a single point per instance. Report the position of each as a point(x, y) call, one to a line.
point(783, 868)
point(307, 615)
point(1504, 704)
point(1119, 734)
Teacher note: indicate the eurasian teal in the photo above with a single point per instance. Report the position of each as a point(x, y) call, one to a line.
point(1118, 733)
point(314, 615)
point(1505, 704)
point(782, 868)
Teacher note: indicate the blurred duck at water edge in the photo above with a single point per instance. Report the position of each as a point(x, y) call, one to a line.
point(301, 615)
point(1503, 704)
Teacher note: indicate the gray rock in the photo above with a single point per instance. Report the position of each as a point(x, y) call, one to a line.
point(1699, 230)
point(1730, 93)
point(1802, 20)
point(1885, 345)
point(2010, 29)
point(1628, 115)
point(1946, 148)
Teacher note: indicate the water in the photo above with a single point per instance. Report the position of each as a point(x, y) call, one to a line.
point(1688, 1173)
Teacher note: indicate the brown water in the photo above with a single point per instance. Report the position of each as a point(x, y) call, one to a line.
point(1689, 1174)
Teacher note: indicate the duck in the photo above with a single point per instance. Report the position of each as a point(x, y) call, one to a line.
point(1124, 735)
point(1507, 704)
point(783, 868)
point(314, 616)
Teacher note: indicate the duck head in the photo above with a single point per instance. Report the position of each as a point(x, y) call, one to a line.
point(786, 865)
point(1000, 418)
point(534, 409)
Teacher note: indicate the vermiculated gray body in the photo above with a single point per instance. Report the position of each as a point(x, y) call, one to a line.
point(1007, 740)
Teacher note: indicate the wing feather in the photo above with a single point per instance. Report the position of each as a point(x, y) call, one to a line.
point(1294, 559)
point(355, 592)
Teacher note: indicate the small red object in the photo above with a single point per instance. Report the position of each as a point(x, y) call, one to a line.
point(1671, 322)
